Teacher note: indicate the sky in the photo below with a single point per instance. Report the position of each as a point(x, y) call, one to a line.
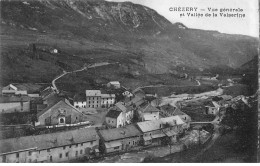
point(248, 25)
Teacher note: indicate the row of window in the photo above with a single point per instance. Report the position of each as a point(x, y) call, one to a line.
point(77, 145)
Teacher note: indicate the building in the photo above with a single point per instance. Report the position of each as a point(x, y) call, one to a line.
point(113, 84)
point(53, 147)
point(13, 90)
point(95, 99)
point(162, 131)
point(79, 101)
point(119, 139)
point(29, 89)
point(120, 115)
point(148, 112)
point(12, 104)
point(169, 110)
point(60, 112)
point(114, 118)
point(212, 108)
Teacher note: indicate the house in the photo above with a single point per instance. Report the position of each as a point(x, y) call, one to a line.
point(114, 118)
point(32, 90)
point(114, 84)
point(127, 94)
point(170, 110)
point(11, 104)
point(13, 90)
point(119, 139)
point(162, 131)
point(95, 99)
point(60, 112)
point(54, 147)
point(79, 101)
point(128, 112)
point(148, 112)
point(212, 108)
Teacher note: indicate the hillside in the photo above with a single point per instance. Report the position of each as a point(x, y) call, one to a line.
point(87, 31)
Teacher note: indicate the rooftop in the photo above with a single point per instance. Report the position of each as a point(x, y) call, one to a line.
point(157, 124)
point(46, 141)
point(120, 133)
point(114, 82)
point(149, 108)
point(93, 93)
point(113, 113)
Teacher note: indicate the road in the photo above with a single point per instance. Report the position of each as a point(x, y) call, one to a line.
point(79, 70)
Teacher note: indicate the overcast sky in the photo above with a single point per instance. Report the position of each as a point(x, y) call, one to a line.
point(246, 26)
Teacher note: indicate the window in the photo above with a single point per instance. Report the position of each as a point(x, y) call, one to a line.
point(76, 153)
point(81, 144)
point(61, 155)
point(117, 147)
point(64, 147)
point(80, 151)
point(48, 150)
point(17, 155)
point(133, 142)
point(129, 143)
point(76, 117)
point(70, 146)
point(91, 143)
point(67, 154)
point(50, 158)
point(76, 145)
point(29, 153)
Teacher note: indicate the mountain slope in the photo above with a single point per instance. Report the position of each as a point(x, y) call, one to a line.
point(135, 35)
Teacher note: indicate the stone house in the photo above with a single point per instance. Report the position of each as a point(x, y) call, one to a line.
point(60, 112)
point(162, 131)
point(119, 139)
point(114, 118)
point(53, 147)
point(95, 99)
point(148, 112)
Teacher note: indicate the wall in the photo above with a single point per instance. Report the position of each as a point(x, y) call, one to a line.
point(80, 104)
point(14, 107)
point(45, 155)
point(111, 122)
point(107, 102)
point(72, 116)
point(93, 101)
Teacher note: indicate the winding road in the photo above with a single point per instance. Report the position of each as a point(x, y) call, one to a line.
point(79, 70)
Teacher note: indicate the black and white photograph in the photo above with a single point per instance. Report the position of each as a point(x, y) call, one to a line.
point(129, 81)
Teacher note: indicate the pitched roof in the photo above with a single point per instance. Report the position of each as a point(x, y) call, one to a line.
point(13, 99)
point(156, 124)
point(113, 113)
point(121, 107)
point(29, 87)
point(107, 95)
point(46, 141)
point(61, 101)
point(150, 108)
point(93, 92)
point(119, 133)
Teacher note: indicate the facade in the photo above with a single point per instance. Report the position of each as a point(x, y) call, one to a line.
point(54, 147)
point(59, 113)
point(148, 112)
point(114, 84)
point(127, 112)
point(114, 118)
point(119, 139)
point(95, 99)
point(212, 108)
point(11, 104)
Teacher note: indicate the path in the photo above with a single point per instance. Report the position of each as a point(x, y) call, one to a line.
point(79, 70)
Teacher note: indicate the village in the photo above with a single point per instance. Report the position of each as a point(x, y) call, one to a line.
point(44, 125)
